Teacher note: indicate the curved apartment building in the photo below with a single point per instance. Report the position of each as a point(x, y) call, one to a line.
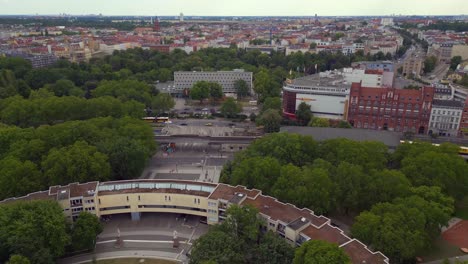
point(136, 197)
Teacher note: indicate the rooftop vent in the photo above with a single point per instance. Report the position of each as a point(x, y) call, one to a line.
point(303, 219)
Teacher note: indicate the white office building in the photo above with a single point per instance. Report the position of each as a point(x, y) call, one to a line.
point(186, 79)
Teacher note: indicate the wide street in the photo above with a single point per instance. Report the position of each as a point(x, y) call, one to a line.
point(152, 236)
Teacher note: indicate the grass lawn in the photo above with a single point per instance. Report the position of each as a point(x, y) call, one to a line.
point(461, 208)
point(135, 261)
point(441, 249)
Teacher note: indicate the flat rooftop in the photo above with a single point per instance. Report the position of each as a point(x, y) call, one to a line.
point(324, 79)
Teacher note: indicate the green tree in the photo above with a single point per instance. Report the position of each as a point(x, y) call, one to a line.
point(200, 91)
point(64, 87)
point(230, 108)
point(242, 88)
point(34, 229)
point(216, 90)
point(320, 252)
point(273, 249)
point(430, 168)
point(18, 259)
point(303, 113)
point(343, 124)
point(79, 162)
point(454, 62)
point(127, 157)
point(8, 84)
point(84, 232)
point(124, 90)
point(429, 64)
point(162, 102)
point(265, 86)
point(287, 148)
point(256, 172)
point(270, 120)
point(272, 103)
point(319, 122)
point(18, 178)
point(218, 247)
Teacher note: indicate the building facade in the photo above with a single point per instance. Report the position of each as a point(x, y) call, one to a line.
point(446, 116)
point(412, 66)
point(326, 93)
point(208, 200)
point(185, 80)
point(390, 109)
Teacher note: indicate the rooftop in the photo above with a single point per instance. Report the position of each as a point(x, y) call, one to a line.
point(298, 223)
point(359, 253)
point(448, 103)
point(325, 79)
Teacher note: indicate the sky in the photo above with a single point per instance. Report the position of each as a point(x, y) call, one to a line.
point(236, 7)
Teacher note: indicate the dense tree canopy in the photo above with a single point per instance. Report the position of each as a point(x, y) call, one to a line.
point(239, 240)
point(84, 231)
point(401, 198)
point(102, 148)
point(230, 108)
point(36, 230)
point(303, 113)
point(49, 109)
point(320, 252)
point(162, 102)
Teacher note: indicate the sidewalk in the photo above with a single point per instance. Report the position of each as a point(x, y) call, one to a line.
point(119, 253)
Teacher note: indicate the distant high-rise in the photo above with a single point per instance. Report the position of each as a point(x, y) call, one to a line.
point(156, 26)
point(181, 17)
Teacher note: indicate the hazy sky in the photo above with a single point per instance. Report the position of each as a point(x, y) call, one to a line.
point(236, 7)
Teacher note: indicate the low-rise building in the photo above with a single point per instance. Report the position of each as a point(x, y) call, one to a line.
point(207, 200)
point(184, 80)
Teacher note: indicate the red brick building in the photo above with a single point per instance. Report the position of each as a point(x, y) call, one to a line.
point(390, 109)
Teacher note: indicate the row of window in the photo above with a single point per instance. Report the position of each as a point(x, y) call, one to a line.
point(443, 112)
point(445, 119)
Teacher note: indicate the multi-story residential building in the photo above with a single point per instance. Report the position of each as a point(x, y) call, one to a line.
point(413, 66)
point(390, 109)
point(207, 200)
point(37, 61)
point(184, 80)
point(446, 116)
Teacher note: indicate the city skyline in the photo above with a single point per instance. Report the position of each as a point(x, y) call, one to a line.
point(235, 8)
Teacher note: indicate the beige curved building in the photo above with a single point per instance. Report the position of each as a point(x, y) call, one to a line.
point(209, 200)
